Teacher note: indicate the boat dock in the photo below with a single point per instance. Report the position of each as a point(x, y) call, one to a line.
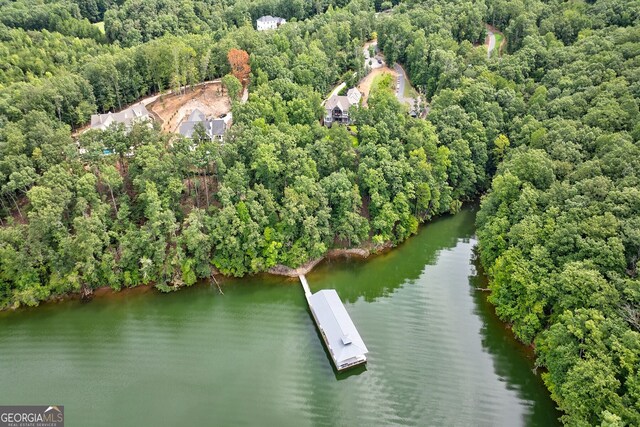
point(336, 327)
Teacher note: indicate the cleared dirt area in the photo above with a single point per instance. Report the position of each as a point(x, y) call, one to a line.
point(369, 43)
point(169, 110)
point(365, 84)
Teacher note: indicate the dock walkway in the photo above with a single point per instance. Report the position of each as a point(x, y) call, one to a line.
point(305, 286)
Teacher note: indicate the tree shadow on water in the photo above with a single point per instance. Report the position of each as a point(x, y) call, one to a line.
point(387, 272)
point(512, 360)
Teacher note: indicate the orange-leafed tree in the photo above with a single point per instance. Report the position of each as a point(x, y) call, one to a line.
point(239, 61)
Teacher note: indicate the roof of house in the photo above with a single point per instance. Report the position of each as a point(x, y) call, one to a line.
point(127, 117)
point(212, 127)
point(344, 102)
point(196, 116)
point(341, 334)
point(354, 95)
point(187, 128)
point(338, 101)
point(217, 126)
point(269, 18)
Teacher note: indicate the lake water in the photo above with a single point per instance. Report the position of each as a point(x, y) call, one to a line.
point(438, 355)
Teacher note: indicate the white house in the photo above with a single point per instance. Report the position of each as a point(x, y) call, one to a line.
point(135, 114)
point(337, 107)
point(214, 128)
point(269, 22)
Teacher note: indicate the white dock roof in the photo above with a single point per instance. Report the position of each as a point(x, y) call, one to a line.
point(341, 334)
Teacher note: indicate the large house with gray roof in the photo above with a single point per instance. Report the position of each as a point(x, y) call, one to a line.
point(337, 107)
point(213, 128)
point(135, 114)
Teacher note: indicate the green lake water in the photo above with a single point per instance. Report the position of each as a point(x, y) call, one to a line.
point(438, 355)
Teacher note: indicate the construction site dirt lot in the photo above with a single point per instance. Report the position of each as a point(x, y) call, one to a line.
point(169, 110)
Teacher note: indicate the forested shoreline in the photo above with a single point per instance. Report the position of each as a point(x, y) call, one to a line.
point(282, 189)
point(558, 229)
point(549, 132)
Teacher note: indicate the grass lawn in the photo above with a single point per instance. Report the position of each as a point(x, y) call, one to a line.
point(353, 131)
point(499, 38)
point(100, 26)
point(382, 82)
point(409, 91)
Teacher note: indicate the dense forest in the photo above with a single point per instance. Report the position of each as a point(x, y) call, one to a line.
point(556, 122)
point(548, 132)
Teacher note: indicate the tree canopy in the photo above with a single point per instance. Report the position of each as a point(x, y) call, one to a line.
point(548, 134)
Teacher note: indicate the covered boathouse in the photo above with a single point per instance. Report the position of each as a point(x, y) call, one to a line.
point(338, 331)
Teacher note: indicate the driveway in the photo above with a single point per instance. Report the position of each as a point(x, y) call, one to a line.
point(377, 65)
point(402, 78)
point(401, 84)
point(490, 41)
point(377, 61)
point(337, 89)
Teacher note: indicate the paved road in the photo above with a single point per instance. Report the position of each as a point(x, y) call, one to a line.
point(337, 89)
point(492, 42)
point(401, 82)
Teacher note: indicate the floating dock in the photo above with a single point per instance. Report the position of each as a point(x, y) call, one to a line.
point(338, 331)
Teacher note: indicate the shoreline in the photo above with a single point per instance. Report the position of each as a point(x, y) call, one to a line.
point(362, 252)
point(359, 252)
